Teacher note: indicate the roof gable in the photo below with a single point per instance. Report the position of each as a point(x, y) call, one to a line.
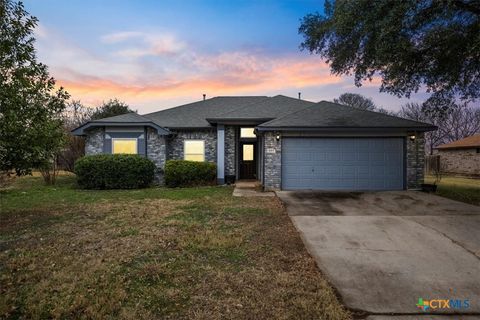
point(127, 119)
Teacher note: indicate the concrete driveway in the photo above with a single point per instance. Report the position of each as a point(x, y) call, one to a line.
point(383, 251)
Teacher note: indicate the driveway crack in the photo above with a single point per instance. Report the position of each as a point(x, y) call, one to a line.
point(446, 236)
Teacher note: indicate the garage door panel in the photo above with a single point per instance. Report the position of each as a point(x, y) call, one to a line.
point(343, 163)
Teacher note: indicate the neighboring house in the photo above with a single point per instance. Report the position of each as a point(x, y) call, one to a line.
point(284, 143)
point(461, 156)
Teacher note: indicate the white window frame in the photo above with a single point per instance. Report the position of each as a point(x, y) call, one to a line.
point(184, 149)
point(136, 144)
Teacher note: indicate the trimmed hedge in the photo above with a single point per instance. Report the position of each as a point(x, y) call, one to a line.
point(182, 173)
point(114, 171)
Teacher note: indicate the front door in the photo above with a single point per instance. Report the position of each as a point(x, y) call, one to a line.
point(248, 164)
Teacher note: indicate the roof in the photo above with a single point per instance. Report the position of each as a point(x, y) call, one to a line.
point(269, 113)
point(194, 115)
point(267, 109)
point(333, 115)
point(468, 142)
point(128, 119)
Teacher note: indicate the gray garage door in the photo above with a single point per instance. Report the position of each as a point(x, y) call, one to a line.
point(342, 163)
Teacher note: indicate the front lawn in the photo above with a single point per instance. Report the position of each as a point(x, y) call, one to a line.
point(155, 253)
point(458, 188)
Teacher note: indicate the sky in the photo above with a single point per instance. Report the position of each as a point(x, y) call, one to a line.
point(158, 54)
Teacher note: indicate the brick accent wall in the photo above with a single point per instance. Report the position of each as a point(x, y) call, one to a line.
point(460, 161)
point(273, 161)
point(230, 147)
point(175, 143)
point(415, 161)
point(156, 151)
point(94, 141)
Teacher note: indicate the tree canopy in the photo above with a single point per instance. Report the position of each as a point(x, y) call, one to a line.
point(31, 130)
point(410, 44)
point(113, 107)
point(356, 100)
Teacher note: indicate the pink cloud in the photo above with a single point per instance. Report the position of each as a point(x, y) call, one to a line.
point(149, 69)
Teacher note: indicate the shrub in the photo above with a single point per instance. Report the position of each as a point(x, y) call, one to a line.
point(182, 173)
point(114, 171)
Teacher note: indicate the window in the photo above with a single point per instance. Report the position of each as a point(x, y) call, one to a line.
point(194, 150)
point(121, 145)
point(247, 133)
point(247, 152)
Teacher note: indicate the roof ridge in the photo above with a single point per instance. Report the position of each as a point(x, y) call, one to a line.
point(268, 98)
point(246, 105)
point(201, 101)
point(180, 106)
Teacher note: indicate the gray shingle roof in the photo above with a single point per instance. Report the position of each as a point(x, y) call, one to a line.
point(127, 117)
point(333, 115)
point(285, 112)
point(194, 115)
point(270, 108)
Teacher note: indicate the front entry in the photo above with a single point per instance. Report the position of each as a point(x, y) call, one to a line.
point(248, 163)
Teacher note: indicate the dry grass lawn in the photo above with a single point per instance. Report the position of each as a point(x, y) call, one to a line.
point(194, 253)
point(458, 188)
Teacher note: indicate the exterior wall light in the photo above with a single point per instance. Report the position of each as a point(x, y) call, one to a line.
point(412, 137)
point(278, 137)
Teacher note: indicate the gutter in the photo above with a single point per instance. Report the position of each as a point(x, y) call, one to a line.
point(348, 129)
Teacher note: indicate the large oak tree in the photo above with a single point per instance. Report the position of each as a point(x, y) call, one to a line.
point(410, 44)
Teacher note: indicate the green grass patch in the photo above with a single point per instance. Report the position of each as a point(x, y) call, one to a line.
point(30, 192)
point(458, 188)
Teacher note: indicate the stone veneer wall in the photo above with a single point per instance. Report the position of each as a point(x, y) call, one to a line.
point(460, 161)
point(230, 147)
point(175, 143)
point(156, 151)
point(94, 141)
point(273, 161)
point(415, 161)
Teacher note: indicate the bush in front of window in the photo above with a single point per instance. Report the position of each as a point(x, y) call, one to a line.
point(184, 173)
point(114, 171)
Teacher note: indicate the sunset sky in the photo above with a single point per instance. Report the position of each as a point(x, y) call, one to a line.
point(158, 54)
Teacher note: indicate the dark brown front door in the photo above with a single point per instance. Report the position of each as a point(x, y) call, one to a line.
point(248, 164)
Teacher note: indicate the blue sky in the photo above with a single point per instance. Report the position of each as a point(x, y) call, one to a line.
point(158, 54)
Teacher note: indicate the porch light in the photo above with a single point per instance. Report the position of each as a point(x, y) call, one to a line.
point(278, 137)
point(412, 137)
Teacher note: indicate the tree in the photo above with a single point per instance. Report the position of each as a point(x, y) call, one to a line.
point(31, 132)
point(454, 120)
point(356, 100)
point(410, 44)
point(74, 116)
point(111, 108)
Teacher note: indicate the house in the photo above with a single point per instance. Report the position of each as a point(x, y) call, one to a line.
point(461, 156)
point(284, 143)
